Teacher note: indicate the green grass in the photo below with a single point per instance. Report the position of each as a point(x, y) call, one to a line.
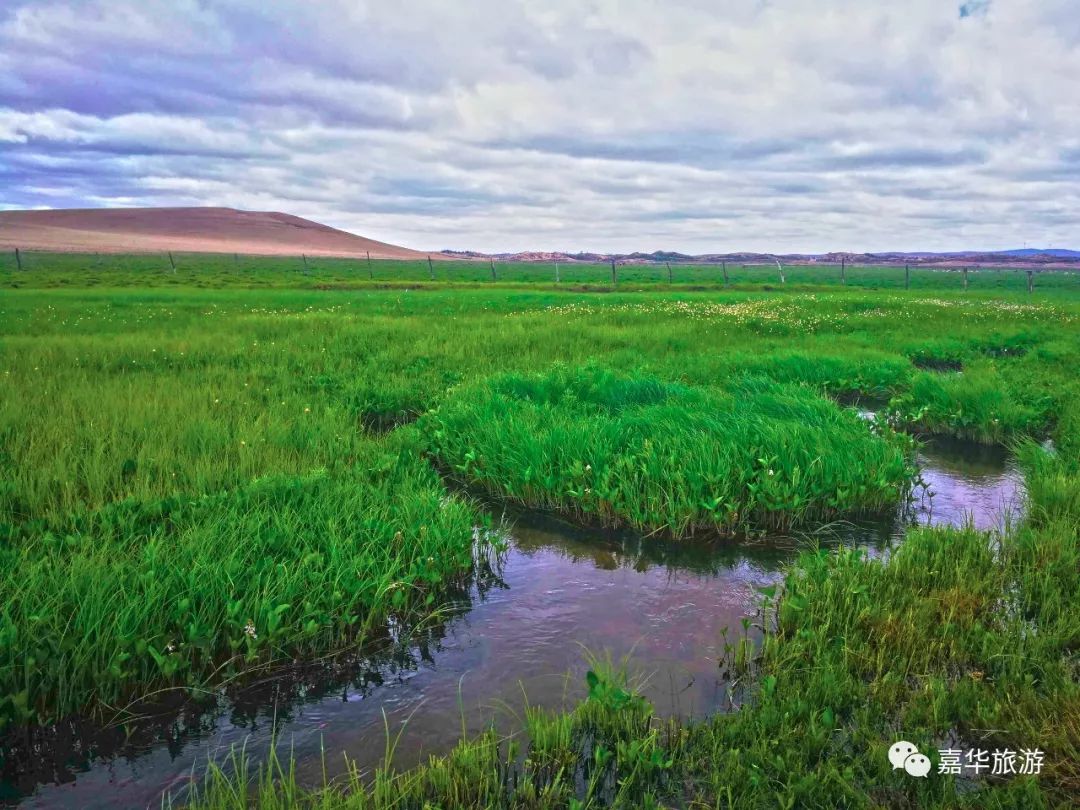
point(184, 455)
point(217, 271)
point(953, 642)
point(192, 590)
point(749, 457)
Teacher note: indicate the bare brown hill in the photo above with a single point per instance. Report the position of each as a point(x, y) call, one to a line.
point(194, 230)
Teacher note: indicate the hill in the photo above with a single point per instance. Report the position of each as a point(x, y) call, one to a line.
point(1047, 259)
point(195, 230)
point(1058, 253)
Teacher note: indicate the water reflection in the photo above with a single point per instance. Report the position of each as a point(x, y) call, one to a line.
point(969, 482)
point(517, 635)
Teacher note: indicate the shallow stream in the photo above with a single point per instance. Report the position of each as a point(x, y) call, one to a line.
point(519, 635)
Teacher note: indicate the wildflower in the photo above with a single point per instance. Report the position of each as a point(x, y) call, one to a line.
point(771, 472)
point(307, 410)
point(249, 631)
point(588, 468)
point(170, 647)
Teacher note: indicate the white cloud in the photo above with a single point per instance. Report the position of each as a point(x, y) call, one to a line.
point(785, 125)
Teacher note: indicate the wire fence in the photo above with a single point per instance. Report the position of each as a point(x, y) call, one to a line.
point(39, 269)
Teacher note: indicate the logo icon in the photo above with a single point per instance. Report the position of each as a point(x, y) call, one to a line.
point(905, 755)
point(917, 765)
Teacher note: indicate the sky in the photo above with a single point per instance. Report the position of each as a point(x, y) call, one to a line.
point(498, 125)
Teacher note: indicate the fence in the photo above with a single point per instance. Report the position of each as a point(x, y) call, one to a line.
point(29, 268)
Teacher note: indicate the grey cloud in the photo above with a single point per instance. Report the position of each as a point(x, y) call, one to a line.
point(904, 157)
point(437, 195)
point(686, 214)
point(791, 126)
point(699, 149)
point(784, 187)
point(616, 55)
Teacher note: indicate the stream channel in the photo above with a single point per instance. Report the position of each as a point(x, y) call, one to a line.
point(519, 634)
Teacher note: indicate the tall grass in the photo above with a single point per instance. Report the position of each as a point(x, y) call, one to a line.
point(756, 456)
point(953, 641)
point(609, 751)
point(180, 463)
point(189, 590)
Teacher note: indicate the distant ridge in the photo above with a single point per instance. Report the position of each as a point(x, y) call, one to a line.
point(1057, 258)
point(1059, 253)
point(194, 230)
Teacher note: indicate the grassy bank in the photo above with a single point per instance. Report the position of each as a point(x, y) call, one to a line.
point(752, 456)
point(953, 643)
point(190, 590)
point(178, 465)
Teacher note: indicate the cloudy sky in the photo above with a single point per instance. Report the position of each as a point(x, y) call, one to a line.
point(695, 125)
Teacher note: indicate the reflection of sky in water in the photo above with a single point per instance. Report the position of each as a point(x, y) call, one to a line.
point(985, 487)
point(965, 482)
point(563, 590)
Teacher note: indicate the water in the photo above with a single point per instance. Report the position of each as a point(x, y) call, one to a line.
point(520, 634)
point(969, 482)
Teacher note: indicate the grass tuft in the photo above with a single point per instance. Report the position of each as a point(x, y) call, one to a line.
point(754, 456)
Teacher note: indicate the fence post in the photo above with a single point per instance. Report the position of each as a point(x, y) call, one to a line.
point(907, 276)
point(1031, 280)
point(430, 268)
point(965, 278)
point(556, 271)
point(493, 276)
point(370, 272)
point(723, 266)
point(171, 262)
point(843, 270)
point(614, 274)
point(668, 272)
point(304, 257)
point(781, 271)
point(18, 259)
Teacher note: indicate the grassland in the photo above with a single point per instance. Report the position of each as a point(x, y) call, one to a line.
point(752, 456)
point(209, 471)
point(217, 271)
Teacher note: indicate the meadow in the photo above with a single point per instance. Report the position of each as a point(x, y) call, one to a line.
point(754, 456)
point(208, 472)
point(217, 271)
